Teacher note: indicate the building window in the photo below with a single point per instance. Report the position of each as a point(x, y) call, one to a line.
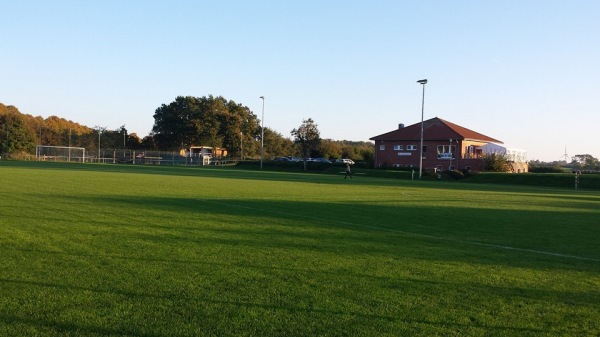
point(446, 151)
point(411, 147)
point(471, 151)
point(398, 147)
point(382, 147)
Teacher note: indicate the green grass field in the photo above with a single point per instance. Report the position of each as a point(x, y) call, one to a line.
point(112, 250)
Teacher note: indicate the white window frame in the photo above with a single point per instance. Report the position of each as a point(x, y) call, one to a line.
point(444, 149)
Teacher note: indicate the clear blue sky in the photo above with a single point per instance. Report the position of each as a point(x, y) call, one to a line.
point(525, 72)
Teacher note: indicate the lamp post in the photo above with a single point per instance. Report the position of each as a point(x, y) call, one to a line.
point(458, 151)
point(100, 130)
point(6, 149)
point(422, 82)
point(262, 135)
point(450, 151)
point(124, 143)
point(69, 145)
point(99, 133)
point(241, 145)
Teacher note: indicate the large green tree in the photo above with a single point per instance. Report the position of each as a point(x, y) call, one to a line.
point(16, 137)
point(115, 139)
point(276, 145)
point(307, 137)
point(362, 151)
point(586, 161)
point(210, 121)
point(329, 148)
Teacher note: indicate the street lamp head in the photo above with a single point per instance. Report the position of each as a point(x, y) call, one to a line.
point(422, 81)
point(263, 97)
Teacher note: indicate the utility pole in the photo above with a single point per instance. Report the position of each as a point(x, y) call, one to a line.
point(262, 129)
point(422, 82)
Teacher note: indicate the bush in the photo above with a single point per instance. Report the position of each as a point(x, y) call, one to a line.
point(18, 155)
point(546, 169)
point(455, 174)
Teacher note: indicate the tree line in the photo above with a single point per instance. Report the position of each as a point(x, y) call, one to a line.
point(584, 162)
point(22, 132)
point(187, 121)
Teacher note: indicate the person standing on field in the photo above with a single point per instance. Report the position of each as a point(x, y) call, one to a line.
point(348, 172)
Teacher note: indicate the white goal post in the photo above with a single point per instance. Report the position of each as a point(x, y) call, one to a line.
point(59, 153)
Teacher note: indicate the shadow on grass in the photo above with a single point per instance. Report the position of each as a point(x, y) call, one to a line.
point(562, 232)
point(555, 238)
point(50, 327)
point(393, 282)
point(289, 308)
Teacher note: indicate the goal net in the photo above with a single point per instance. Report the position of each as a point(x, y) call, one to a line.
point(59, 153)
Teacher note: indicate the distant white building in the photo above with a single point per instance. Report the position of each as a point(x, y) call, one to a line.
point(516, 157)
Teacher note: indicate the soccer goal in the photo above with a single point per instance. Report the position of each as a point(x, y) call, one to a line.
point(59, 153)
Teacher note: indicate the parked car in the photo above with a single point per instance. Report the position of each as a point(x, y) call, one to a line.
point(322, 160)
point(345, 161)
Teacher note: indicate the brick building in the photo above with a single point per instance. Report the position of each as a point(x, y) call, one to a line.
point(446, 146)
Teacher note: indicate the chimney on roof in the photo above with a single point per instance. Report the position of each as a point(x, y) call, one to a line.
point(401, 125)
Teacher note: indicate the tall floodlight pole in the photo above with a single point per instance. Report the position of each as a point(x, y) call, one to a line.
point(99, 132)
point(422, 82)
point(6, 125)
point(124, 142)
point(262, 135)
point(69, 145)
point(241, 145)
point(450, 151)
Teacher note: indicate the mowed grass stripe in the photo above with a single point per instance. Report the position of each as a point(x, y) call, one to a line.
point(103, 250)
point(378, 228)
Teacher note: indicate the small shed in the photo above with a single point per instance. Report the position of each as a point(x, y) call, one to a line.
point(203, 155)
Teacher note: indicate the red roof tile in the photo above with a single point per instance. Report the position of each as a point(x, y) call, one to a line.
point(434, 129)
